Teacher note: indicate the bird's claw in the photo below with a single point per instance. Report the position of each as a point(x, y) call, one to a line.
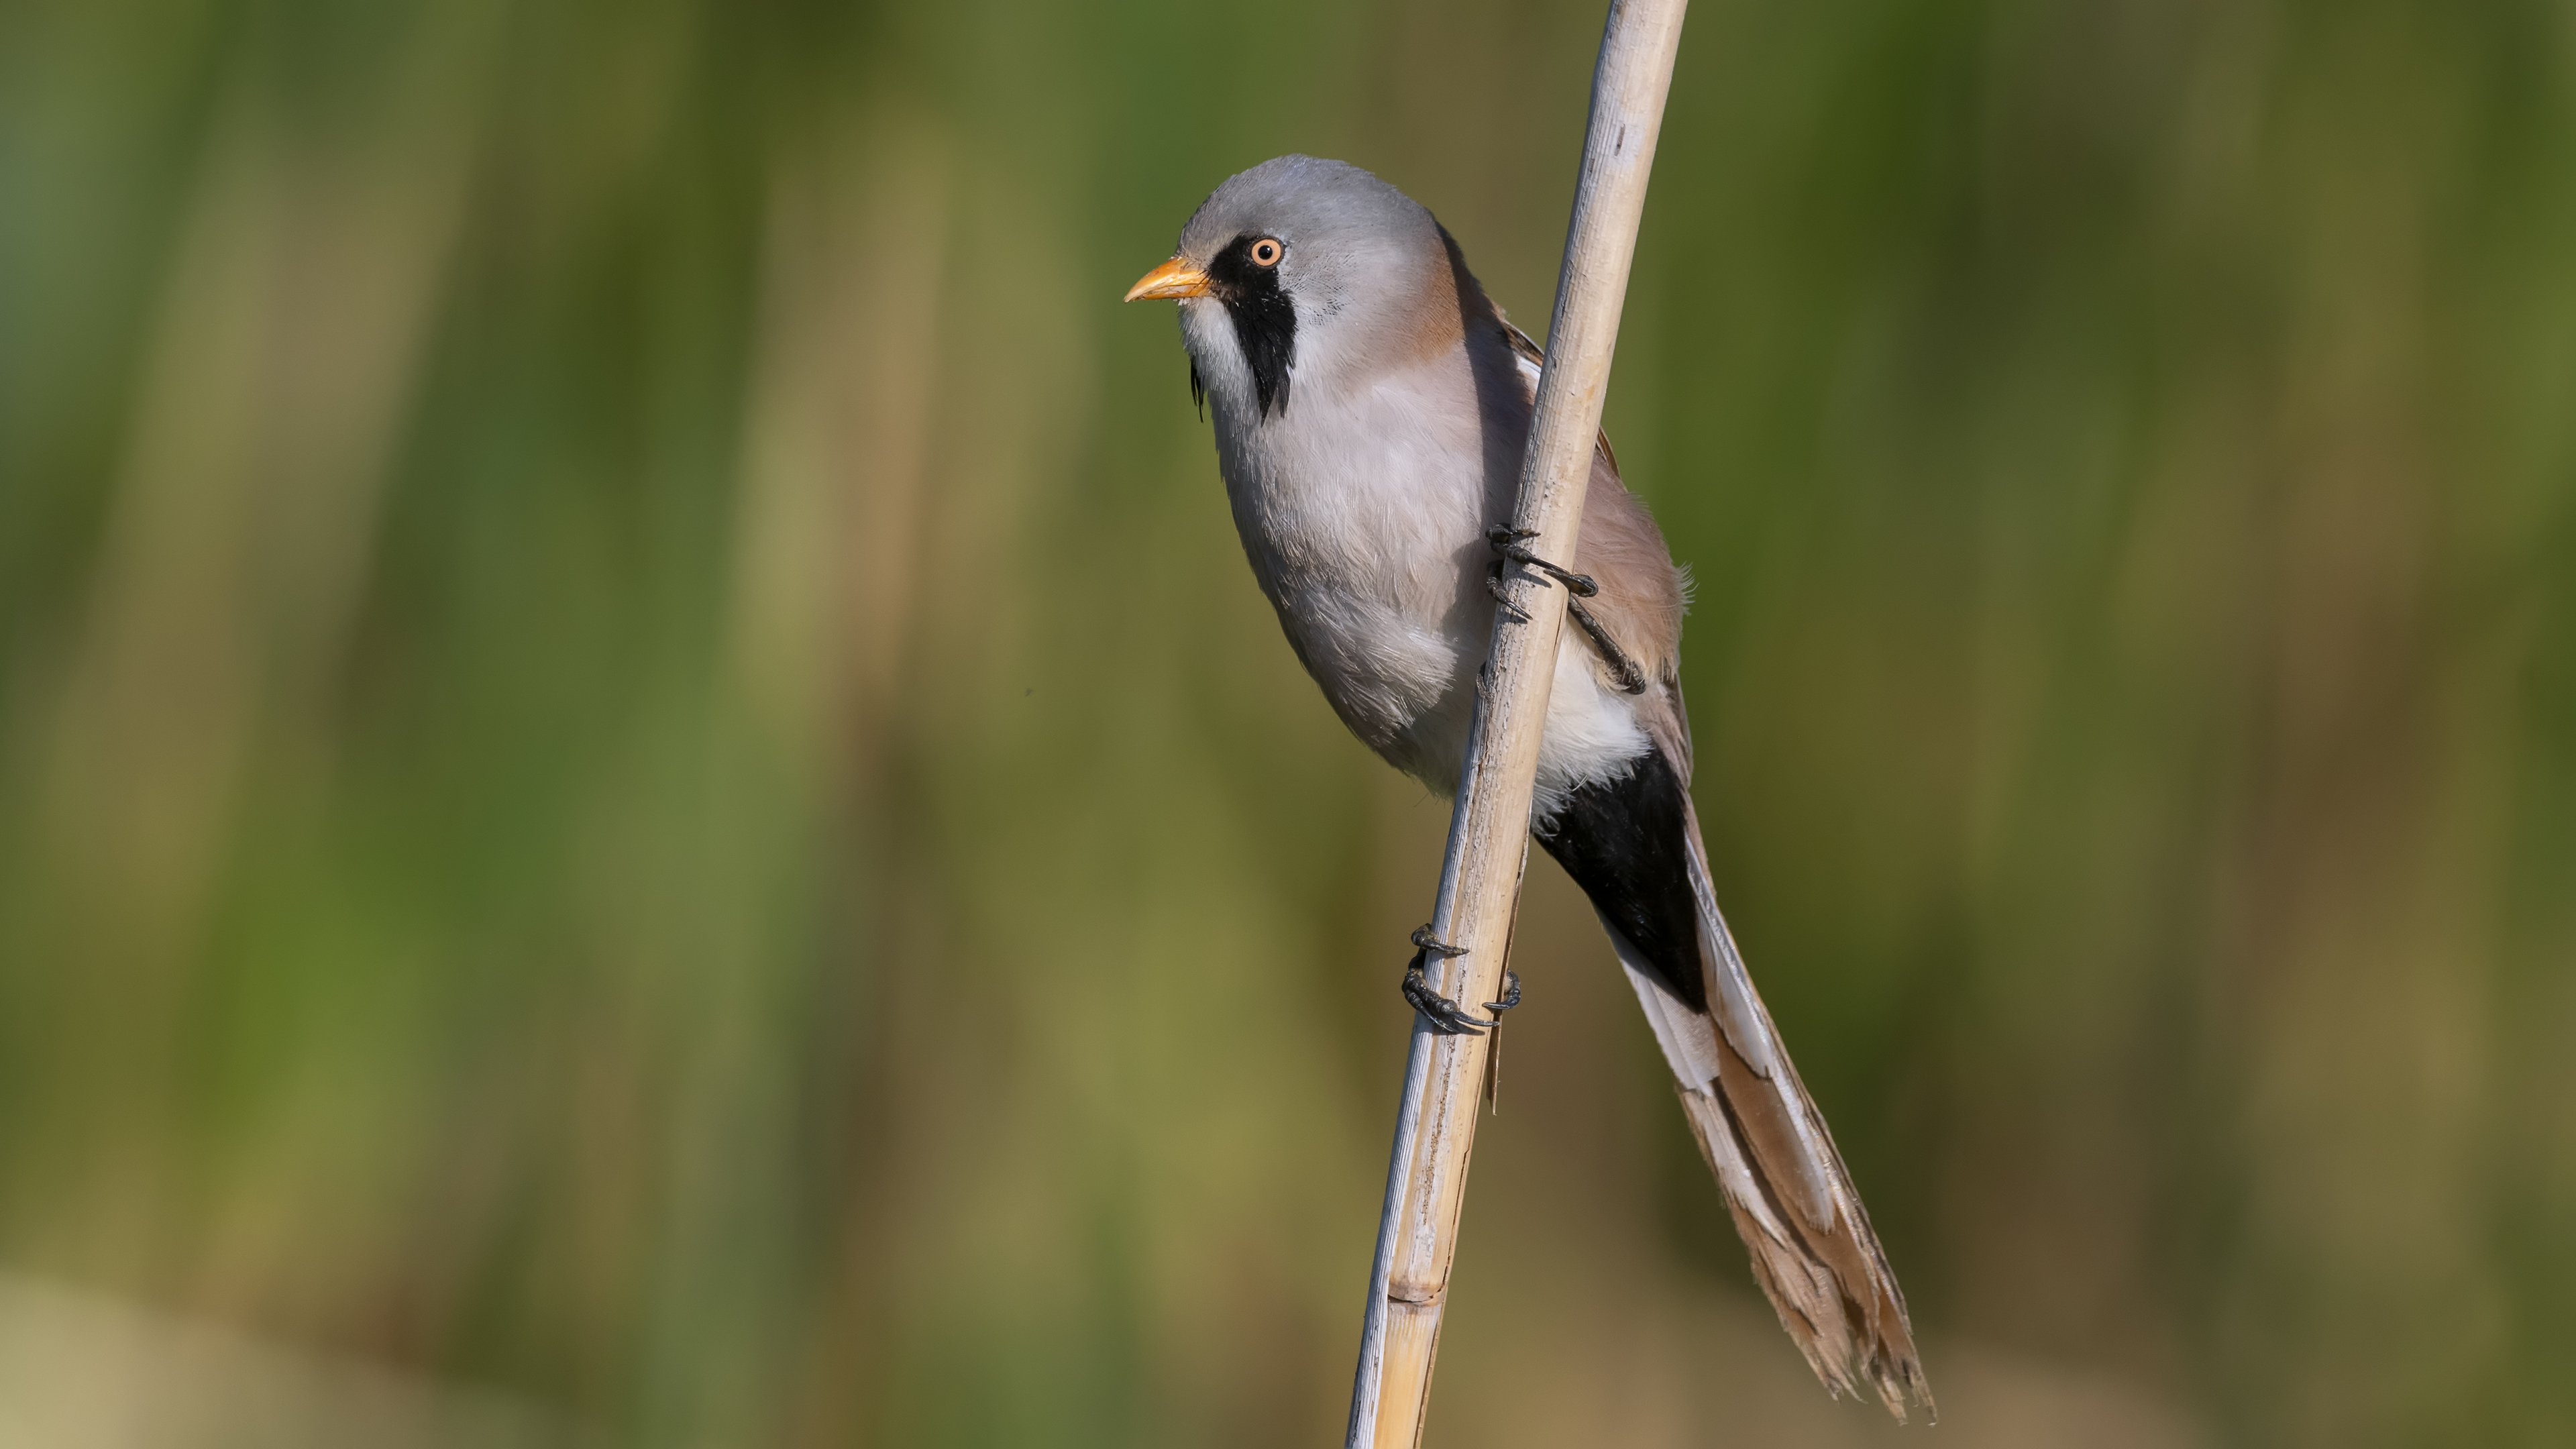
point(1444, 1016)
point(1507, 541)
point(1441, 1014)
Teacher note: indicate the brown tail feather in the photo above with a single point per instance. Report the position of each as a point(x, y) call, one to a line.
point(1784, 1181)
point(1829, 1283)
point(1825, 1273)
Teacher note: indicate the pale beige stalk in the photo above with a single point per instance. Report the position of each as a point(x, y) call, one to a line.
point(1489, 834)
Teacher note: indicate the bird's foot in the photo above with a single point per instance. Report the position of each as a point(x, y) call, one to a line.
point(1441, 1014)
point(1444, 1016)
point(1508, 542)
point(1511, 993)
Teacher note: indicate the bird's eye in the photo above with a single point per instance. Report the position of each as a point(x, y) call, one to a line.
point(1266, 253)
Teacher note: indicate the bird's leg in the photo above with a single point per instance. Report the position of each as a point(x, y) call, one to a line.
point(1507, 542)
point(1444, 1016)
point(1632, 680)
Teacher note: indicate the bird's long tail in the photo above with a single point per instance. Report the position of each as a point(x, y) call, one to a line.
point(1783, 1180)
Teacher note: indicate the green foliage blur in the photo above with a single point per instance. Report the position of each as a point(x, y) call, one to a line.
point(643, 799)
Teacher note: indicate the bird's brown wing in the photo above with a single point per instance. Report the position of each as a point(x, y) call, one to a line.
point(1635, 847)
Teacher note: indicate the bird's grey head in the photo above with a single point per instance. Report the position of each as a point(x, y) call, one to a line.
point(1304, 269)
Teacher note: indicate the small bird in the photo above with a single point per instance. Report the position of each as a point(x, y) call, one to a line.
point(1371, 408)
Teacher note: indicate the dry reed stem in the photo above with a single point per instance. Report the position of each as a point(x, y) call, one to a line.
point(1480, 878)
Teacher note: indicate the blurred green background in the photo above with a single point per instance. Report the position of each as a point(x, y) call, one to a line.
point(643, 798)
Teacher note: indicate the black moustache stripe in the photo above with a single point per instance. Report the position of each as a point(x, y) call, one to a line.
point(1265, 321)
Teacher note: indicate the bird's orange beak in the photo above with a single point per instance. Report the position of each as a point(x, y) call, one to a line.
point(1179, 277)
